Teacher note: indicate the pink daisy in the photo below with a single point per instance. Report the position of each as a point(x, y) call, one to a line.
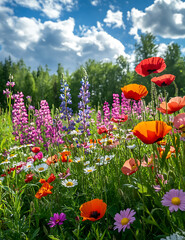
point(124, 219)
point(174, 199)
point(57, 219)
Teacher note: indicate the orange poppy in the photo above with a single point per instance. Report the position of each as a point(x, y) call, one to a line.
point(151, 131)
point(53, 159)
point(175, 104)
point(163, 80)
point(134, 91)
point(150, 65)
point(130, 166)
point(93, 210)
point(35, 149)
point(44, 191)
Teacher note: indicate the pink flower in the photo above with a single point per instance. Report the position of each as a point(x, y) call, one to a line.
point(174, 199)
point(179, 121)
point(57, 219)
point(124, 219)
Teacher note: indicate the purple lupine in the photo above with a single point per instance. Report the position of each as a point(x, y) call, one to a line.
point(125, 104)
point(98, 119)
point(19, 118)
point(84, 109)
point(66, 112)
point(115, 106)
point(106, 119)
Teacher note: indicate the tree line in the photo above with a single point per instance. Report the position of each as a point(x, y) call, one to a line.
point(105, 78)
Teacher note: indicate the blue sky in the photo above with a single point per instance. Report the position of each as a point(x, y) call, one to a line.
point(72, 31)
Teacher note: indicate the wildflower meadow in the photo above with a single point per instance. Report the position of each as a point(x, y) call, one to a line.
point(116, 172)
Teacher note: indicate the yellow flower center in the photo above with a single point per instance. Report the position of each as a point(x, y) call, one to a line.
point(124, 221)
point(98, 159)
point(176, 201)
point(109, 142)
point(41, 168)
point(134, 167)
point(90, 170)
point(107, 159)
point(5, 161)
point(69, 184)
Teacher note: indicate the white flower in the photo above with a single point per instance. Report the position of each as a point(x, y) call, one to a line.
point(41, 167)
point(5, 162)
point(174, 236)
point(1, 179)
point(102, 162)
point(108, 157)
point(86, 163)
point(12, 156)
point(69, 183)
point(78, 159)
point(131, 146)
point(29, 166)
point(88, 170)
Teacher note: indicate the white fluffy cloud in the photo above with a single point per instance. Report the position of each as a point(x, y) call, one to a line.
point(49, 42)
point(114, 19)
point(51, 8)
point(165, 18)
point(95, 2)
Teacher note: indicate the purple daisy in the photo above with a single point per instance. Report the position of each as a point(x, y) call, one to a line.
point(174, 199)
point(57, 219)
point(124, 219)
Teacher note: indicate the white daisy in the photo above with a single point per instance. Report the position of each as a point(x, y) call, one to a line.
point(108, 157)
point(131, 146)
point(102, 162)
point(1, 179)
point(88, 170)
point(41, 167)
point(69, 183)
point(78, 159)
point(5, 162)
point(86, 163)
point(29, 166)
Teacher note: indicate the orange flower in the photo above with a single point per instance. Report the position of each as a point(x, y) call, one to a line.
point(173, 105)
point(35, 149)
point(42, 180)
point(53, 159)
point(151, 131)
point(150, 65)
point(163, 80)
point(64, 156)
point(134, 91)
point(130, 166)
point(93, 210)
point(44, 191)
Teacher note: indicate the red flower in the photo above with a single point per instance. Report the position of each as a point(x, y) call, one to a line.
point(44, 191)
point(120, 118)
point(51, 178)
point(29, 177)
point(150, 65)
point(102, 129)
point(35, 149)
point(130, 166)
point(163, 80)
point(134, 91)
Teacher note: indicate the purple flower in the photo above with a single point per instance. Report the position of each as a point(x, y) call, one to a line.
point(57, 219)
point(174, 199)
point(65, 174)
point(124, 219)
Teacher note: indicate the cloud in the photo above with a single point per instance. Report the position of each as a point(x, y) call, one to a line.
point(53, 42)
point(95, 2)
point(114, 19)
point(165, 18)
point(51, 8)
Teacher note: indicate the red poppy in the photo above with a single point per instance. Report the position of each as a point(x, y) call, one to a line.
point(102, 129)
point(130, 166)
point(93, 210)
point(120, 118)
point(51, 178)
point(151, 131)
point(35, 149)
point(134, 91)
point(163, 80)
point(150, 65)
point(29, 177)
point(175, 104)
